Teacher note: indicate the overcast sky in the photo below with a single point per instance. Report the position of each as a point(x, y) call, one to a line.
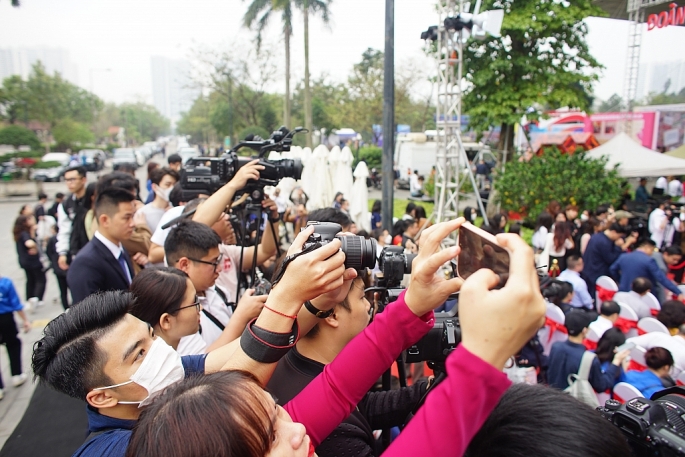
point(122, 35)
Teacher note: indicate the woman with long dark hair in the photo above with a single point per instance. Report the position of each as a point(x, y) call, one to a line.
point(542, 228)
point(559, 242)
point(376, 221)
point(29, 258)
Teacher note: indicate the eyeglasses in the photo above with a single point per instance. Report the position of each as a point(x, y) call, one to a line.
point(215, 264)
point(196, 304)
point(72, 179)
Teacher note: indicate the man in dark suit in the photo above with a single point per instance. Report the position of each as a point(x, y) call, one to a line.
point(641, 264)
point(103, 263)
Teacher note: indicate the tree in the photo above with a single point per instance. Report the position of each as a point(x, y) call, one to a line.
point(317, 7)
point(612, 105)
point(69, 134)
point(541, 62)
point(666, 98)
point(13, 99)
point(266, 8)
point(528, 187)
point(19, 136)
point(196, 122)
point(144, 120)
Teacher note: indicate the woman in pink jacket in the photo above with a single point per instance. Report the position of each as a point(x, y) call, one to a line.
point(229, 414)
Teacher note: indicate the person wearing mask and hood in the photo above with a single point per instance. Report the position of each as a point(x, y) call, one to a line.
point(163, 181)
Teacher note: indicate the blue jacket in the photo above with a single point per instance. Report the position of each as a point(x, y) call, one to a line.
point(564, 359)
point(641, 195)
point(637, 264)
point(9, 300)
point(646, 382)
point(600, 253)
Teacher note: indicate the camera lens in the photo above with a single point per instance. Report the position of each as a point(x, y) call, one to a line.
point(359, 252)
point(288, 168)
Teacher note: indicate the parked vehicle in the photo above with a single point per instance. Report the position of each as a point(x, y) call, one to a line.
point(94, 159)
point(126, 156)
point(54, 173)
point(154, 147)
point(187, 153)
point(145, 152)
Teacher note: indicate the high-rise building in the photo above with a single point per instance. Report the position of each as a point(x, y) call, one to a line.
point(19, 61)
point(172, 88)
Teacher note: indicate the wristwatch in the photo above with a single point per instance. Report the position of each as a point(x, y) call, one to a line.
point(317, 312)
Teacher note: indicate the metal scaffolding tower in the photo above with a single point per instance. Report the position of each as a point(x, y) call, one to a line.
point(452, 168)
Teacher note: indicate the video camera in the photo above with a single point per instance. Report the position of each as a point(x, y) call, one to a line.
point(208, 174)
point(653, 427)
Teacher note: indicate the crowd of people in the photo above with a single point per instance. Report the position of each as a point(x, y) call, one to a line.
point(178, 352)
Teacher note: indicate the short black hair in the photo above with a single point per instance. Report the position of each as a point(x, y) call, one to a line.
point(573, 261)
point(127, 168)
point(118, 180)
point(108, 200)
point(673, 250)
point(515, 228)
point(174, 158)
point(159, 173)
point(616, 227)
point(658, 357)
point(42, 195)
point(646, 242)
point(189, 239)
point(330, 215)
point(81, 170)
point(67, 357)
point(601, 209)
point(672, 314)
point(410, 207)
point(567, 428)
point(609, 308)
point(641, 285)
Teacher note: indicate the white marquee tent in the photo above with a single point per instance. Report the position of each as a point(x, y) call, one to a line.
point(635, 160)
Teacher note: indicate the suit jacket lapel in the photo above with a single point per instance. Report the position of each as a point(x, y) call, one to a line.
point(114, 263)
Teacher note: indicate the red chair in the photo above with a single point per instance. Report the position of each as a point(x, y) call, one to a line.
point(624, 392)
point(554, 329)
point(627, 321)
point(605, 289)
point(649, 325)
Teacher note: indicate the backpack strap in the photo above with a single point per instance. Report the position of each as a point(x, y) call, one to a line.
point(214, 320)
point(224, 298)
point(585, 365)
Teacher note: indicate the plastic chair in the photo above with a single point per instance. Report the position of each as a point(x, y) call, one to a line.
point(627, 320)
point(624, 392)
point(680, 380)
point(681, 287)
point(653, 302)
point(606, 286)
point(649, 324)
point(637, 359)
point(554, 330)
point(591, 341)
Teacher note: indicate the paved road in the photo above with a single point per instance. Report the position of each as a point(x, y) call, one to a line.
point(16, 400)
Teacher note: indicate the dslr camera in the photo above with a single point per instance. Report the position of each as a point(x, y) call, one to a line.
point(653, 427)
point(360, 253)
point(208, 174)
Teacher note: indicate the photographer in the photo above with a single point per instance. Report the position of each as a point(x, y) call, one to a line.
point(213, 210)
point(494, 323)
point(99, 353)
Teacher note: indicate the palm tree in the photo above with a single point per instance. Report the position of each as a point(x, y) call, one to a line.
point(320, 7)
point(264, 9)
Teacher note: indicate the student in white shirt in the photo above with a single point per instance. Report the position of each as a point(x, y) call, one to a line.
point(163, 181)
point(609, 312)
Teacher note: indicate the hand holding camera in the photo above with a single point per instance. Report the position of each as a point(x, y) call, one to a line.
point(248, 171)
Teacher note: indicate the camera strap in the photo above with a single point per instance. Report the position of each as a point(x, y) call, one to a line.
point(290, 258)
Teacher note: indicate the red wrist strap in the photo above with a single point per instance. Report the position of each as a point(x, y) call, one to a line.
point(280, 313)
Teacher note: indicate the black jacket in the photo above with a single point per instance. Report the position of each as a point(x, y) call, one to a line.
point(95, 269)
point(354, 436)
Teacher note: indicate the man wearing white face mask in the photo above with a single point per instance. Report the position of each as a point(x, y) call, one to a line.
point(163, 180)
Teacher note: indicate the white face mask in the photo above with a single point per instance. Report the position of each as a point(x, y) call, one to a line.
point(163, 193)
point(583, 217)
point(161, 368)
point(388, 239)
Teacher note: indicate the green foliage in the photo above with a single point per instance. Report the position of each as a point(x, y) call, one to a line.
point(253, 130)
point(665, 98)
point(372, 155)
point(528, 187)
point(541, 62)
point(70, 134)
point(46, 165)
point(23, 155)
point(19, 136)
point(612, 105)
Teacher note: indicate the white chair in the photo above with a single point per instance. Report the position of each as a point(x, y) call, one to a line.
point(606, 283)
point(637, 359)
point(602, 397)
point(682, 288)
point(680, 380)
point(591, 341)
point(653, 302)
point(624, 392)
point(627, 320)
point(554, 330)
point(649, 324)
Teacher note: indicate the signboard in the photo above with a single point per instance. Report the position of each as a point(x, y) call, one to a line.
point(675, 15)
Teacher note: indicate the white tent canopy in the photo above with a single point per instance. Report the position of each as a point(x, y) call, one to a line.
point(634, 160)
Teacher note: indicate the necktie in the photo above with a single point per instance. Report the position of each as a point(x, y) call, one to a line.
point(124, 267)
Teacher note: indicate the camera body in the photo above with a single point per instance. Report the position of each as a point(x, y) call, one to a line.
point(359, 252)
point(394, 264)
point(437, 344)
point(652, 427)
point(208, 174)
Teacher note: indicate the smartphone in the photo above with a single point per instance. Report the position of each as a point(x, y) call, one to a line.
point(479, 249)
point(625, 346)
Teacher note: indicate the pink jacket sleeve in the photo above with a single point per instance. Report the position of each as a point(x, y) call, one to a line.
point(455, 410)
point(334, 394)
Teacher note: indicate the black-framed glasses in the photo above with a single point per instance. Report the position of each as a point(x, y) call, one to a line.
point(215, 264)
point(196, 304)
